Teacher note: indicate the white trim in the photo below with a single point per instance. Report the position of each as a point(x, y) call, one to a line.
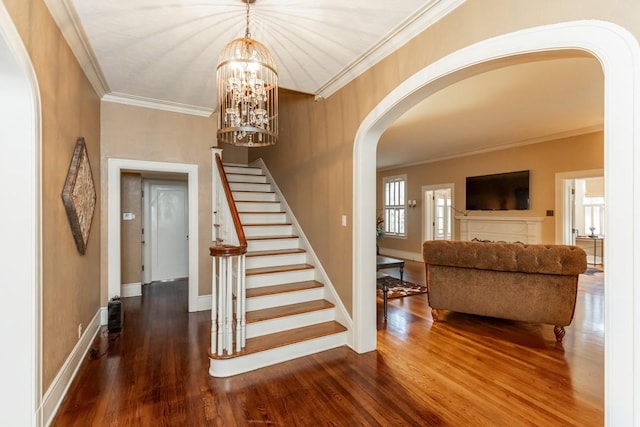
point(61, 383)
point(342, 315)
point(619, 54)
point(20, 250)
point(131, 289)
point(157, 104)
point(562, 223)
point(114, 169)
point(422, 19)
point(66, 17)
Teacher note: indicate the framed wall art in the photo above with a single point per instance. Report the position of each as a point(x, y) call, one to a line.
point(79, 195)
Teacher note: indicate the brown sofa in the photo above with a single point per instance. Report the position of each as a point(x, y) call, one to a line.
point(528, 283)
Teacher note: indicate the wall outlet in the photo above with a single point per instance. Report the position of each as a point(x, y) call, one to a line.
point(79, 330)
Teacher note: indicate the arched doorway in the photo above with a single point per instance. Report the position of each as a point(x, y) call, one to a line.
point(619, 54)
point(20, 230)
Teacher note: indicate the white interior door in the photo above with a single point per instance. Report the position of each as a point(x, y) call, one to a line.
point(169, 231)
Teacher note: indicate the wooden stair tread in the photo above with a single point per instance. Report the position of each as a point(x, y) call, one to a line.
point(258, 201)
point(281, 339)
point(284, 288)
point(261, 212)
point(277, 269)
point(266, 224)
point(276, 252)
point(250, 191)
point(279, 236)
point(287, 310)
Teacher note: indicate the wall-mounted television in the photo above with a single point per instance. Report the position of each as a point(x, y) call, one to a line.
point(502, 191)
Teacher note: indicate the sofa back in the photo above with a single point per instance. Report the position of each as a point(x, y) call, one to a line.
point(501, 256)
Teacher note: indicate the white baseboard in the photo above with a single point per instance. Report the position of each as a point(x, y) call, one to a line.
point(204, 302)
point(131, 289)
point(395, 253)
point(60, 385)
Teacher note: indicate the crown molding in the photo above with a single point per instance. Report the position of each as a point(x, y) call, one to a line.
point(157, 104)
point(425, 17)
point(66, 17)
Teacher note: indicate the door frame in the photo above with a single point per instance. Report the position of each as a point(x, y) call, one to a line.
point(426, 205)
point(21, 246)
point(563, 208)
point(114, 169)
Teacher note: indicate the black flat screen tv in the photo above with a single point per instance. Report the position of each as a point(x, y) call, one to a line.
point(498, 192)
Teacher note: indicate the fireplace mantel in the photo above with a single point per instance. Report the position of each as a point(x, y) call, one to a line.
point(501, 228)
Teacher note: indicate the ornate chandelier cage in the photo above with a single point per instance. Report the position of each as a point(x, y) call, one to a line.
point(247, 84)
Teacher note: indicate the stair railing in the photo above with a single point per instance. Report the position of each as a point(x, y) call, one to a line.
point(229, 247)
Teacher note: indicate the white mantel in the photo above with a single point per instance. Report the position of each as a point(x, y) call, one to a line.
point(501, 228)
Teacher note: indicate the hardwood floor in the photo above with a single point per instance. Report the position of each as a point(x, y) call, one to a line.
point(465, 370)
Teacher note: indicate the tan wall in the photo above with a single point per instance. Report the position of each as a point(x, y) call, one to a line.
point(313, 160)
point(144, 134)
point(131, 230)
point(543, 160)
point(70, 109)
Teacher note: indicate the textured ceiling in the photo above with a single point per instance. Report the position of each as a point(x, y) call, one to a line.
point(163, 54)
point(166, 51)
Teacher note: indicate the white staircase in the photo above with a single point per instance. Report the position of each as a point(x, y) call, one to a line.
point(288, 312)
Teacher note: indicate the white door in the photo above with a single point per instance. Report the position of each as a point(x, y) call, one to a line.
point(169, 231)
point(438, 215)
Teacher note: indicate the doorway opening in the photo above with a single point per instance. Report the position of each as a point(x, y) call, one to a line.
point(618, 52)
point(20, 227)
point(437, 211)
point(115, 169)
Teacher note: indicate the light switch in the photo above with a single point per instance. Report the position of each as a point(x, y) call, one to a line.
point(128, 216)
point(344, 220)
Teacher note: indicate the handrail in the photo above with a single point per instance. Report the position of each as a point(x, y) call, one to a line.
point(229, 250)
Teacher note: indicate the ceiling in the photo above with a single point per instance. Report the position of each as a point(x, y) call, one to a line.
point(163, 54)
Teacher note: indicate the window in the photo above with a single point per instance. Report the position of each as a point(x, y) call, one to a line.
point(394, 205)
point(593, 215)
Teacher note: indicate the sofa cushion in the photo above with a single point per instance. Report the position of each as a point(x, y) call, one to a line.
point(500, 256)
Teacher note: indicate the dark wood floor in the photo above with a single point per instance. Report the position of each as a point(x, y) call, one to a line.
point(463, 371)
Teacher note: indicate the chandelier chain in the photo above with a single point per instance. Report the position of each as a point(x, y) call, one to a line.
point(247, 33)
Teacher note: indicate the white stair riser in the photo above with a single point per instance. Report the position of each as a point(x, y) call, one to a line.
point(241, 170)
point(258, 207)
point(249, 186)
point(253, 196)
point(261, 179)
point(263, 218)
point(268, 230)
point(223, 368)
point(272, 244)
point(259, 280)
point(276, 300)
point(289, 322)
point(275, 260)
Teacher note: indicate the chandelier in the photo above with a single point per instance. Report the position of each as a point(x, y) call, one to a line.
point(247, 84)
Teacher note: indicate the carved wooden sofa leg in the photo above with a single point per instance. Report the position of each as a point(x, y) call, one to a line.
point(435, 314)
point(559, 331)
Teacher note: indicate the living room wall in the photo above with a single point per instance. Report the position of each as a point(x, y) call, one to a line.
point(543, 160)
point(70, 109)
point(313, 160)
